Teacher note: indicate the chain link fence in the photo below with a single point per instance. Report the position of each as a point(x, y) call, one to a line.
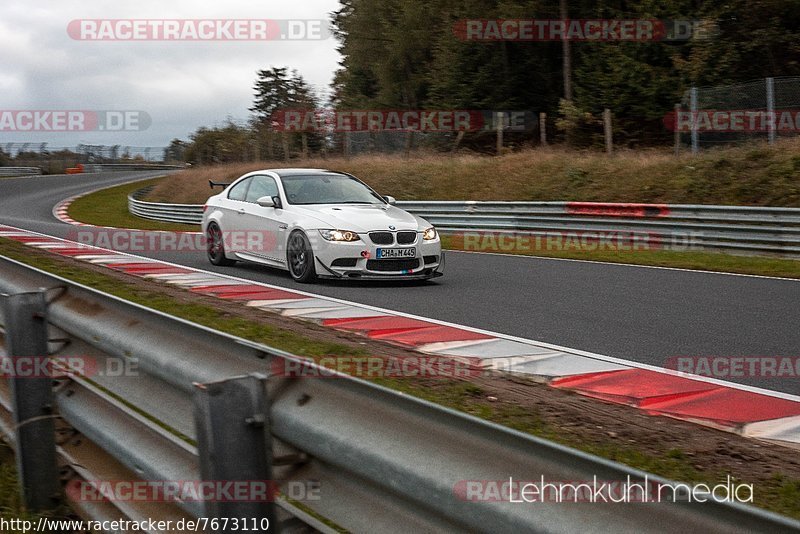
point(392, 142)
point(764, 109)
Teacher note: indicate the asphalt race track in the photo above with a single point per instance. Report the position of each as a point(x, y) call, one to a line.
point(640, 314)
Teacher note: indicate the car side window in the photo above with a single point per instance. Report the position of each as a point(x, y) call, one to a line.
point(239, 191)
point(261, 186)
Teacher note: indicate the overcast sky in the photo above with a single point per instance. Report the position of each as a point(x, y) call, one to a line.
point(181, 85)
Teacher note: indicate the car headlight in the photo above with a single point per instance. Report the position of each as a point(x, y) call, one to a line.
point(339, 235)
point(429, 233)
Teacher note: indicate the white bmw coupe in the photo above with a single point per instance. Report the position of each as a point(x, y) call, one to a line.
point(318, 223)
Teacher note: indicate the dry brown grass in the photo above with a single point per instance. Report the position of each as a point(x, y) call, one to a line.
point(754, 174)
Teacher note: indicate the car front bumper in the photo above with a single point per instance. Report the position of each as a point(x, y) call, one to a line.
point(366, 266)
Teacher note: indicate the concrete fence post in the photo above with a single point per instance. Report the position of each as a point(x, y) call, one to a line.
point(608, 132)
point(771, 118)
point(543, 128)
point(500, 125)
point(693, 109)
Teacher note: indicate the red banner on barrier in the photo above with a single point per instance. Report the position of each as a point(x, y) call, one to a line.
point(617, 209)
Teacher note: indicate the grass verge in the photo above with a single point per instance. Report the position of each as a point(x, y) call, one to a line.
point(779, 493)
point(10, 500)
point(11, 505)
point(109, 207)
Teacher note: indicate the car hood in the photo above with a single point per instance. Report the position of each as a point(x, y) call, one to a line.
point(362, 217)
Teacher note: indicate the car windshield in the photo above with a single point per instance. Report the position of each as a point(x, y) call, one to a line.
point(328, 189)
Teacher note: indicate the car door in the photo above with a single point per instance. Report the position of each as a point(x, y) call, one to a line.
point(262, 230)
point(233, 210)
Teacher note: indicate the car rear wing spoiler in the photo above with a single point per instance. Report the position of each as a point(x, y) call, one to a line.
point(213, 184)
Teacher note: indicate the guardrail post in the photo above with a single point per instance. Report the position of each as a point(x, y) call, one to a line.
point(25, 320)
point(235, 445)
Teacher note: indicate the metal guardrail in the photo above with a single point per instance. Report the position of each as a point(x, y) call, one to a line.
point(93, 167)
point(105, 167)
point(754, 230)
point(20, 171)
point(176, 213)
point(203, 407)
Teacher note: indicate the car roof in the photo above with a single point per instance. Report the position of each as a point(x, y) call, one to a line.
point(300, 171)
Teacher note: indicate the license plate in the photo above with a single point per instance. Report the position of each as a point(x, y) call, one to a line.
point(396, 253)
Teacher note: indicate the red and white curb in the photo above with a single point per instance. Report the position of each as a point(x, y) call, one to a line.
point(745, 410)
point(61, 210)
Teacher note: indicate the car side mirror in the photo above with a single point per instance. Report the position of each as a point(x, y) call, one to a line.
point(266, 202)
point(390, 200)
